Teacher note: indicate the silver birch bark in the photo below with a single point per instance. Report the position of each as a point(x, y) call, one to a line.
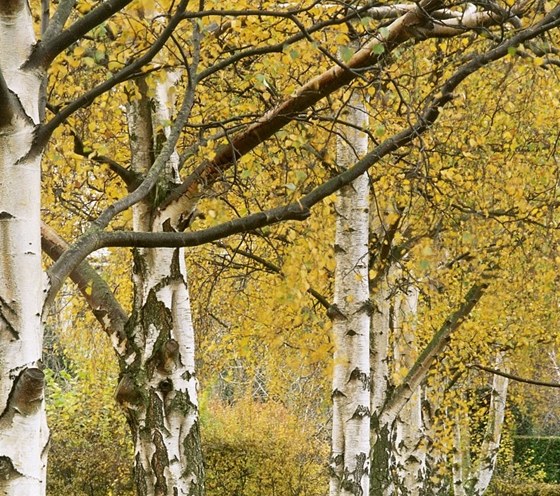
point(23, 430)
point(459, 458)
point(380, 329)
point(351, 389)
point(158, 385)
point(486, 462)
point(472, 477)
point(409, 450)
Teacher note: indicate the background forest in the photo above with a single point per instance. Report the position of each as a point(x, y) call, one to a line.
point(321, 240)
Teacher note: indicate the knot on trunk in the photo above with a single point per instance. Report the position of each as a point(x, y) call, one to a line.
point(28, 391)
point(168, 357)
point(127, 394)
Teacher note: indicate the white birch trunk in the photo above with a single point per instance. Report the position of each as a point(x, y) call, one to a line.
point(350, 462)
point(460, 459)
point(23, 430)
point(409, 449)
point(472, 477)
point(380, 330)
point(486, 462)
point(158, 387)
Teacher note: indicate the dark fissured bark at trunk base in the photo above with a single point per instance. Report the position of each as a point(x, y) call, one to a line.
point(381, 451)
point(158, 392)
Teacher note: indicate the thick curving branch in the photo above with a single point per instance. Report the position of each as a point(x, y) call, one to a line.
point(417, 23)
point(56, 41)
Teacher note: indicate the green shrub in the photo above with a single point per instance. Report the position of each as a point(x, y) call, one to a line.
point(543, 451)
point(536, 489)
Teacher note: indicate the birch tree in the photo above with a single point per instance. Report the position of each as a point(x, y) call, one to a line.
point(107, 46)
point(24, 434)
point(472, 476)
point(351, 315)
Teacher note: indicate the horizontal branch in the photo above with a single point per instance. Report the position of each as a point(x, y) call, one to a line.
point(516, 378)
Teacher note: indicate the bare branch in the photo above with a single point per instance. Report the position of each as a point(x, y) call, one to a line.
point(516, 378)
point(130, 178)
point(54, 26)
point(56, 42)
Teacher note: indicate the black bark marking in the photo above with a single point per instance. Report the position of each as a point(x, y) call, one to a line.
point(351, 481)
point(127, 394)
point(140, 477)
point(361, 412)
point(168, 357)
point(26, 394)
point(380, 455)
point(6, 216)
point(28, 391)
point(358, 375)
point(337, 393)
point(7, 469)
point(155, 313)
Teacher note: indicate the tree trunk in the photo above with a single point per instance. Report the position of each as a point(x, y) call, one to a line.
point(158, 387)
point(381, 442)
point(486, 461)
point(409, 449)
point(351, 389)
point(23, 430)
point(471, 477)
